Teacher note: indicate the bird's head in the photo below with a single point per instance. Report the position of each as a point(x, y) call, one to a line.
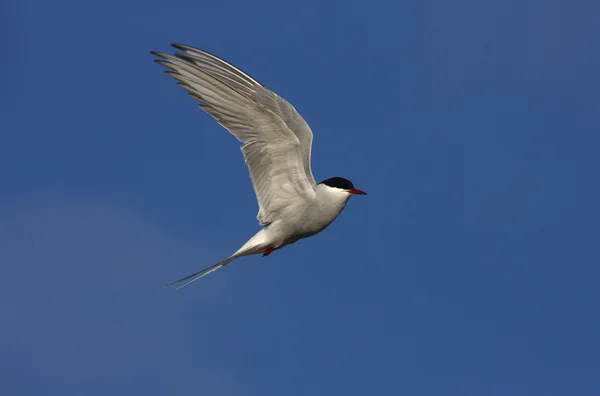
point(343, 186)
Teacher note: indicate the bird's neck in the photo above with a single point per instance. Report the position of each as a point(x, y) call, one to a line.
point(331, 199)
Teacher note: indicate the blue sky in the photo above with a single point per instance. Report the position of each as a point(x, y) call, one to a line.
point(471, 268)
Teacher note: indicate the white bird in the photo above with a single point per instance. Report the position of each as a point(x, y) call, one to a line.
point(276, 144)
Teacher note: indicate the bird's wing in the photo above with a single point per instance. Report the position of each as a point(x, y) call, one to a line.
point(276, 141)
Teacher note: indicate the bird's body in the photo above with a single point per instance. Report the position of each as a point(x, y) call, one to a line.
point(306, 220)
point(276, 143)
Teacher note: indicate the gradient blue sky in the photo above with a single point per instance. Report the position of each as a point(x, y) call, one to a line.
point(470, 269)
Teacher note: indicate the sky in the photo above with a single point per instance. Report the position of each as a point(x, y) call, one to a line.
point(470, 269)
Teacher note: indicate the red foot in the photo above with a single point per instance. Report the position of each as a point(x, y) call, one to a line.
point(268, 251)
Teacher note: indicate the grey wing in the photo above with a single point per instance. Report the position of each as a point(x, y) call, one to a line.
point(294, 121)
point(229, 73)
point(277, 156)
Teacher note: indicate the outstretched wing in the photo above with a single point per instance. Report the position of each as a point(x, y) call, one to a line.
point(276, 141)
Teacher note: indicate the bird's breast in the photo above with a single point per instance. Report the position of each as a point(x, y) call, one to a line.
point(305, 221)
point(317, 217)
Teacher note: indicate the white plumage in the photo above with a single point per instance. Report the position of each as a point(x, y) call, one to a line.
point(276, 143)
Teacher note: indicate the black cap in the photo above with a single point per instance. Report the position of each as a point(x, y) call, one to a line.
point(339, 182)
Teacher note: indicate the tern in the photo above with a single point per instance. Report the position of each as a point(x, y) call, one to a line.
point(276, 144)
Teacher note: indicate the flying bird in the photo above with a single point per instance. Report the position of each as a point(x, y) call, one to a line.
point(276, 144)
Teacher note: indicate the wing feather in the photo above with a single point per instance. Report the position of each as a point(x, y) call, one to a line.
point(259, 93)
point(276, 141)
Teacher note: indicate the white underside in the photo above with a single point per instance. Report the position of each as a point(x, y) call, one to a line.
point(303, 221)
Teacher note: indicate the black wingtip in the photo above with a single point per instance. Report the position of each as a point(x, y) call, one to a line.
point(162, 62)
point(159, 54)
point(181, 47)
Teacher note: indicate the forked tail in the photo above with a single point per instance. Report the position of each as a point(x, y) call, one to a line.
point(256, 244)
point(202, 273)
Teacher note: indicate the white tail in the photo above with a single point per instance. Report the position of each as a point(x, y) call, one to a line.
point(202, 273)
point(255, 245)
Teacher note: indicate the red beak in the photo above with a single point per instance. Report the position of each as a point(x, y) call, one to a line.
point(357, 192)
